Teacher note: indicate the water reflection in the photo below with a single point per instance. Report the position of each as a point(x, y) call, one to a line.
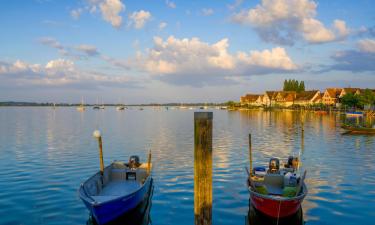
point(138, 216)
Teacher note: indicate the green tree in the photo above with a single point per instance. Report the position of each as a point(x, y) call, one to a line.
point(351, 100)
point(367, 98)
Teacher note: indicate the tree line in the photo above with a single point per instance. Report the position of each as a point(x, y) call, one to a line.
point(359, 101)
point(294, 85)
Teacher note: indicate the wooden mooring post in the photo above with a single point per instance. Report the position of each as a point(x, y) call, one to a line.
point(203, 168)
point(98, 136)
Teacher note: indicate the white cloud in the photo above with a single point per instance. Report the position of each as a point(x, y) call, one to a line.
point(88, 49)
point(192, 57)
point(77, 52)
point(58, 72)
point(235, 4)
point(139, 19)
point(207, 11)
point(367, 45)
point(76, 13)
point(110, 11)
point(284, 21)
point(162, 25)
point(170, 4)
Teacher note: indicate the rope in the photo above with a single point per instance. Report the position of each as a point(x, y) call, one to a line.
point(278, 213)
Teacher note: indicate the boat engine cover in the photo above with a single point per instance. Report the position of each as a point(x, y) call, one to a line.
point(134, 161)
point(274, 165)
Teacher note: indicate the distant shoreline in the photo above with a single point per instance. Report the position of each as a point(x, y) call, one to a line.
point(49, 104)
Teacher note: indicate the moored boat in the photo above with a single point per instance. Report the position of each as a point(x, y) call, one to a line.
point(120, 189)
point(117, 188)
point(276, 192)
point(354, 114)
point(358, 129)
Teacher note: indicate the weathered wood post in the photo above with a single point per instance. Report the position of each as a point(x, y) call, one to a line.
point(149, 163)
point(98, 136)
point(203, 168)
point(250, 156)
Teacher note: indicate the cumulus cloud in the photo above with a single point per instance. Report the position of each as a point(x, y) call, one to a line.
point(186, 60)
point(58, 72)
point(76, 13)
point(207, 11)
point(235, 4)
point(110, 11)
point(356, 60)
point(78, 52)
point(89, 50)
point(162, 25)
point(285, 21)
point(139, 19)
point(367, 45)
point(170, 4)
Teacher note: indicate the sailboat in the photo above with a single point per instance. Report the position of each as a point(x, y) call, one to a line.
point(120, 107)
point(81, 107)
point(102, 106)
point(96, 106)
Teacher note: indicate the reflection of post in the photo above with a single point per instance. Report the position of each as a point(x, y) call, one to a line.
point(302, 142)
point(302, 120)
point(250, 156)
point(203, 167)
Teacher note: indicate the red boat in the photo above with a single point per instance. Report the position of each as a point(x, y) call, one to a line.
point(277, 192)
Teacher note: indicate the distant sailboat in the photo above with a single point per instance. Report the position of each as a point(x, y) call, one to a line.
point(120, 107)
point(96, 106)
point(81, 107)
point(102, 106)
point(183, 107)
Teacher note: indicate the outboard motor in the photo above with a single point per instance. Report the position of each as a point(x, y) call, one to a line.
point(134, 162)
point(290, 162)
point(274, 165)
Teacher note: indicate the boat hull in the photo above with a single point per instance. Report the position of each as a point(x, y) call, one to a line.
point(111, 210)
point(277, 207)
point(359, 130)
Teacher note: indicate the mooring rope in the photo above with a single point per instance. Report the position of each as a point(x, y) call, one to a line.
point(278, 213)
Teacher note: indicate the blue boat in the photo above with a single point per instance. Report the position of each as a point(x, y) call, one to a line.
point(354, 114)
point(121, 188)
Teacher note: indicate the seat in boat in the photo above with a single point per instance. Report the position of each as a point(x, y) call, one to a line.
point(274, 183)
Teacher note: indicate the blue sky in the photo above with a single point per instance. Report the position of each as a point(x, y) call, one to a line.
point(180, 51)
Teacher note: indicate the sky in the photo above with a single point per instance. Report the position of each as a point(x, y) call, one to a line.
point(147, 51)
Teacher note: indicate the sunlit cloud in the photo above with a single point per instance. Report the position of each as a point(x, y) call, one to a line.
point(286, 21)
point(139, 19)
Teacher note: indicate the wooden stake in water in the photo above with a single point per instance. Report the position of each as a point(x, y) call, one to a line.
point(250, 156)
point(149, 163)
point(203, 168)
point(98, 136)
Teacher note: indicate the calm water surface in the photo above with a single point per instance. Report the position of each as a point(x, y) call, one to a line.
point(45, 154)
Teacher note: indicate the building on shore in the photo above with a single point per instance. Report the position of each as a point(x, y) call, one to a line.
point(306, 98)
point(269, 98)
point(249, 100)
point(331, 96)
point(285, 98)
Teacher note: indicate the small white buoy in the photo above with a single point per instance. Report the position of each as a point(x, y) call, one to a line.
point(97, 134)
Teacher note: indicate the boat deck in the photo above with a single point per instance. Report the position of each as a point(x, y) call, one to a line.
point(115, 189)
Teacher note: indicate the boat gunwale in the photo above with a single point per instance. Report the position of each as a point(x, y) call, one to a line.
point(280, 198)
point(87, 198)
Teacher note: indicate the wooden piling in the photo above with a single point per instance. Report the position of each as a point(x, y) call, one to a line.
point(149, 163)
point(98, 136)
point(203, 168)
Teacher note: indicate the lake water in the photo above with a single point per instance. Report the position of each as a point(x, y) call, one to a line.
point(45, 154)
